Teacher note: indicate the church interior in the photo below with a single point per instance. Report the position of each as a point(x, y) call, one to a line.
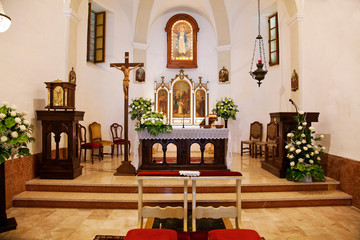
point(72, 63)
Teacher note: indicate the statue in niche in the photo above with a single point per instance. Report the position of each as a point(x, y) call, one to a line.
point(294, 81)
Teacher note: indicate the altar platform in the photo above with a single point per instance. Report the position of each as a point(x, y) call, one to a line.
point(97, 187)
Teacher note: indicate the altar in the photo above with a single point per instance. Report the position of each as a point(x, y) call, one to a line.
point(191, 148)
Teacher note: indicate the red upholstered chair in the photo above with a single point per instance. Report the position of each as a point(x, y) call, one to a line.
point(151, 234)
point(234, 234)
point(116, 132)
point(87, 146)
point(95, 136)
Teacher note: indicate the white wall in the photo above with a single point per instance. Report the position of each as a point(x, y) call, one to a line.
point(32, 52)
point(331, 82)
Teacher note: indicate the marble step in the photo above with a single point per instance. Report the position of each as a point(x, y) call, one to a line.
point(176, 187)
point(129, 200)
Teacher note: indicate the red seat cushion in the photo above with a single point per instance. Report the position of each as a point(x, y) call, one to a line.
point(90, 145)
point(234, 234)
point(158, 174)
point(151, 234)
point(120, 141)
point(220, 173)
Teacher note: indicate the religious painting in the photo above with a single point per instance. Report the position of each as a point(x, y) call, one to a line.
point(200, 103)
point(181, 99)
point(162, 102)
point(140, 75)
point(182, 41)
point(184, 101)
point(294, 81)
point(224, 75)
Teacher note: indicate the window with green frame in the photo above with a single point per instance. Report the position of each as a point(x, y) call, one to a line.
point(96, 36)
point(273, 40)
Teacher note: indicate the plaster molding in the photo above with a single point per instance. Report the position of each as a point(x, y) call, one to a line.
point(223, 48)
point(296, 18)
point(142, 46)
point(70, 13)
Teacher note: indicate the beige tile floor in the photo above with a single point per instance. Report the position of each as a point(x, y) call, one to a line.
point(305, 223)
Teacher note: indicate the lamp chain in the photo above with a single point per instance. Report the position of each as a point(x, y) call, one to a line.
point(259, 16)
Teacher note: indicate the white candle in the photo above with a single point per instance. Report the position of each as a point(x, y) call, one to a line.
point(207, 121)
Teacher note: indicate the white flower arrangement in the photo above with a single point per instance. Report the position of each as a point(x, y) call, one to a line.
point(15, 133)
point(139, 106)
point(226, 108)
point(154, 123)
point(305, 152)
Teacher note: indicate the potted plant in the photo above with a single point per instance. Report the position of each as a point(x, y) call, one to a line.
point(15, 134)
point(304, 153)
point(226, 109)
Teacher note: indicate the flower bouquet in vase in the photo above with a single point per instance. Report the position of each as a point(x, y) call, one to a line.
point(304, 153)
point(226, 109)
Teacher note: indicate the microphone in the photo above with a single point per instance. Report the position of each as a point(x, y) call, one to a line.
point(293, 103)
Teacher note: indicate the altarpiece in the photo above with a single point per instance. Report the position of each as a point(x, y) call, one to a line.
point(182, 100)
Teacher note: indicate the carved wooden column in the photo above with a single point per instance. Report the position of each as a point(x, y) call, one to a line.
point(64, 163)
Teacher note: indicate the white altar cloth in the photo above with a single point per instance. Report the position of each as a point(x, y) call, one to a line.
point(186, 133)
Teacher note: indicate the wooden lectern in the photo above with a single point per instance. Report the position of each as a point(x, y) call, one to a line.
point(286, 124)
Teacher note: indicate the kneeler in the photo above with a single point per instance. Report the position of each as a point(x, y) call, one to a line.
point(151, 234)
point(234, 234)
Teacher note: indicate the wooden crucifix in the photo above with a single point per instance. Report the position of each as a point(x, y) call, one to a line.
point(126, 168)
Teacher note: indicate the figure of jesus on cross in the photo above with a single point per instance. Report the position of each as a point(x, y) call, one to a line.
point(126, 168)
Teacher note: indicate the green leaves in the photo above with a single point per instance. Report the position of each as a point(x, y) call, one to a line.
point(10, 122)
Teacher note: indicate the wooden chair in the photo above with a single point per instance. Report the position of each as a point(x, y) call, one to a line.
point(95, 136)
point(116, 133)
point(256, 129)
point(271, 142)
point(86, 146)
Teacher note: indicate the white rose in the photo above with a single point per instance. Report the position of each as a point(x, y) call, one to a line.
point(291, 156)
point(289, 134)
point(311, 128)
point(323, 148)
point(153, 121)
point(321, 136)
point(301, 112)
point(14, 134)
point(287, 146)
point(22, 127)
point(292, 149)
point(304, 123)
point(13, 107)
point(312, 154)
point(316, 152)
point(292, 164)
point(3, 139)
point(305, 148)
point(13, 114)
point(298, 142)
point(307, 156)
point(301, 160)
point(309, 146)
point(318, 158)
point(303, 141)
point(2, 116)
point(298, 151)
point(5, 103)
point(300, 127)
point(311, 161)
point(303, 135)
point(18, 120)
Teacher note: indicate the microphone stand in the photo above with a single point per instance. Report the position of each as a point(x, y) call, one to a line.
point(293, 103)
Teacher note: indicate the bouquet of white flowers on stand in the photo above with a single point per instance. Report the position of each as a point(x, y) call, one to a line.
point(304, 153)
point(15, 133)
